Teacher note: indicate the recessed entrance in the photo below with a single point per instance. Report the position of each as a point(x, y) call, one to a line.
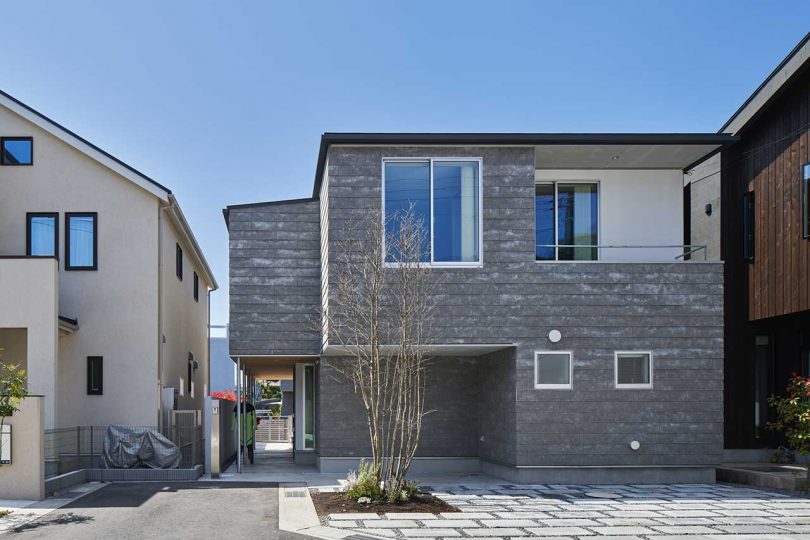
point(281, 391)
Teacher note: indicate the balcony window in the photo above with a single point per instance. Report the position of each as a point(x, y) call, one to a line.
point(566, 216)
point(81, 241)
point(17, 151)
point(444, 197)
point(42, 235)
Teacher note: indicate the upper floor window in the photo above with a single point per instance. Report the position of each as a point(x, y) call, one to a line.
point(749, 225)
point(806, 200)
point(81, 241)
point(444, 196)
point(196, 287)
point(16, 150)
point(566, 217)
point(42, 234)
point(178, 261)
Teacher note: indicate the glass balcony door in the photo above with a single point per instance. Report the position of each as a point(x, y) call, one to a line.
point(566, 216)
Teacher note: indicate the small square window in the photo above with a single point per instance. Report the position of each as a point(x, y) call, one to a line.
point(95, 375)
point(178, 262)
point(196, 287)
point(633, 369)
point(553, 370)
point(17, 151)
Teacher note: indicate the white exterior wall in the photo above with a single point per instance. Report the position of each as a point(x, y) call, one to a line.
point(185, 322)
point(636, 207)
point(116, 306)
point(28, 299)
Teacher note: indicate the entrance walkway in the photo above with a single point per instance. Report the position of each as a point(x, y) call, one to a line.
point(599, 512)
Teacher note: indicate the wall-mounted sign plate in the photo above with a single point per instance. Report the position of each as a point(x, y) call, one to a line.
point(5, 445)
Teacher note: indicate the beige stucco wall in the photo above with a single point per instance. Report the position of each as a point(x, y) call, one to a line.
point(116, 306)
point(25, 477)
point(184, 322)
point(14, 347)
point(28, 299)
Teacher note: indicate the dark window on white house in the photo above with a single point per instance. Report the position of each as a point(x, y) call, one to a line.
point(81, 241)
point(749, 225)
point(178, 262)
point(806, 200)
point(95, 375)
point(16, 151)
point(196, 287)
point(42, 234)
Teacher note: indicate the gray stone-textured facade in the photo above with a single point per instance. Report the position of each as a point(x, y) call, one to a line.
point(487, 406)
point(274, 257)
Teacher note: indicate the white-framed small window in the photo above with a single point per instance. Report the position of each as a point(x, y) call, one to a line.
point(633, 369)
point(553, 370)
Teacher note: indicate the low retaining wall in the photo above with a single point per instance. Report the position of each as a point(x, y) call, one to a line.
point(24, 478)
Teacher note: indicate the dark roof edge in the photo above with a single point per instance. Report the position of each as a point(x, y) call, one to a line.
point(85, 141)
point(759, 88)
point(507, 139)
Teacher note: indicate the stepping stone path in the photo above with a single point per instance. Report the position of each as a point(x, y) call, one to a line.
point(594, 512)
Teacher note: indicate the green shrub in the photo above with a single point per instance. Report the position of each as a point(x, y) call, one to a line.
point(364, 483)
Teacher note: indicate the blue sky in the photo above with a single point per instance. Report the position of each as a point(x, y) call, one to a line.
point(224, 102)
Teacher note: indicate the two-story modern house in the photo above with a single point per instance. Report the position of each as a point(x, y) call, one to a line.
point(103, 288)
point(576, 338)
point(761, 230)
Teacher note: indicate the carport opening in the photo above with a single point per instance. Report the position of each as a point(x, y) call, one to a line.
point(280, 391)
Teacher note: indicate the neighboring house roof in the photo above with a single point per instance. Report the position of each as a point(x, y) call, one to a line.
point(794, 64)
point(160, 191)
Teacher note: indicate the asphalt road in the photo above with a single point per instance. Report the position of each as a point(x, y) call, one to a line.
point(166, 510)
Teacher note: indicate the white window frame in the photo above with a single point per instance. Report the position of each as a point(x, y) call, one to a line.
point(431, 161)
point(631, 386)
point(541, 386)
point(555, 183)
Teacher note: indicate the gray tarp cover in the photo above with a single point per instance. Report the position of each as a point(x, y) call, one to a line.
point(126, 447)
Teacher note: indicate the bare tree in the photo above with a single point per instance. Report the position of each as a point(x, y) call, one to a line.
point(380, 311)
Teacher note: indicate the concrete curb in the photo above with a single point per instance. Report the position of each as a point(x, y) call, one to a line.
point(296, 513)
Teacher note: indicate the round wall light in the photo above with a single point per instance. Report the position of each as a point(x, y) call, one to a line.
point(635, 445)
point(554, 336)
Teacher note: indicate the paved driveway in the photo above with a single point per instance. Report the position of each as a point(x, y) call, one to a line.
point(166, 510)
point(626, 512)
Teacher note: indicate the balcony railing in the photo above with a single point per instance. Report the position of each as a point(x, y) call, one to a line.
point(567, 252)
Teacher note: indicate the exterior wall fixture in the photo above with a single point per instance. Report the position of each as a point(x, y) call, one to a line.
point(554, 336)
point(635, 445)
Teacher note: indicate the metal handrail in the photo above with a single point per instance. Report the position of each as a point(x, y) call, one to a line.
point(689, 248)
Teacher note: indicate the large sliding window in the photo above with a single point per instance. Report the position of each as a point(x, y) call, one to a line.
point(566, 217)
point(42, 234)
point(81, 241)
point(444, 198)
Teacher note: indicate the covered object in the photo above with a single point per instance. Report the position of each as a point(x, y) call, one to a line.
point(127, 447)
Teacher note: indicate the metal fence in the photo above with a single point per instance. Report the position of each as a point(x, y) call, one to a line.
point(273, 428)
point(81, 447)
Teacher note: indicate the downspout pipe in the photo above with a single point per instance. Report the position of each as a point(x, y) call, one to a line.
point(160, 336)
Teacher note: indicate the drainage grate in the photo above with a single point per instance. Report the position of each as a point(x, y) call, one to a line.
point(295, 492)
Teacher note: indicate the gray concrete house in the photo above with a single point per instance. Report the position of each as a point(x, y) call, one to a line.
point(577, 338)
